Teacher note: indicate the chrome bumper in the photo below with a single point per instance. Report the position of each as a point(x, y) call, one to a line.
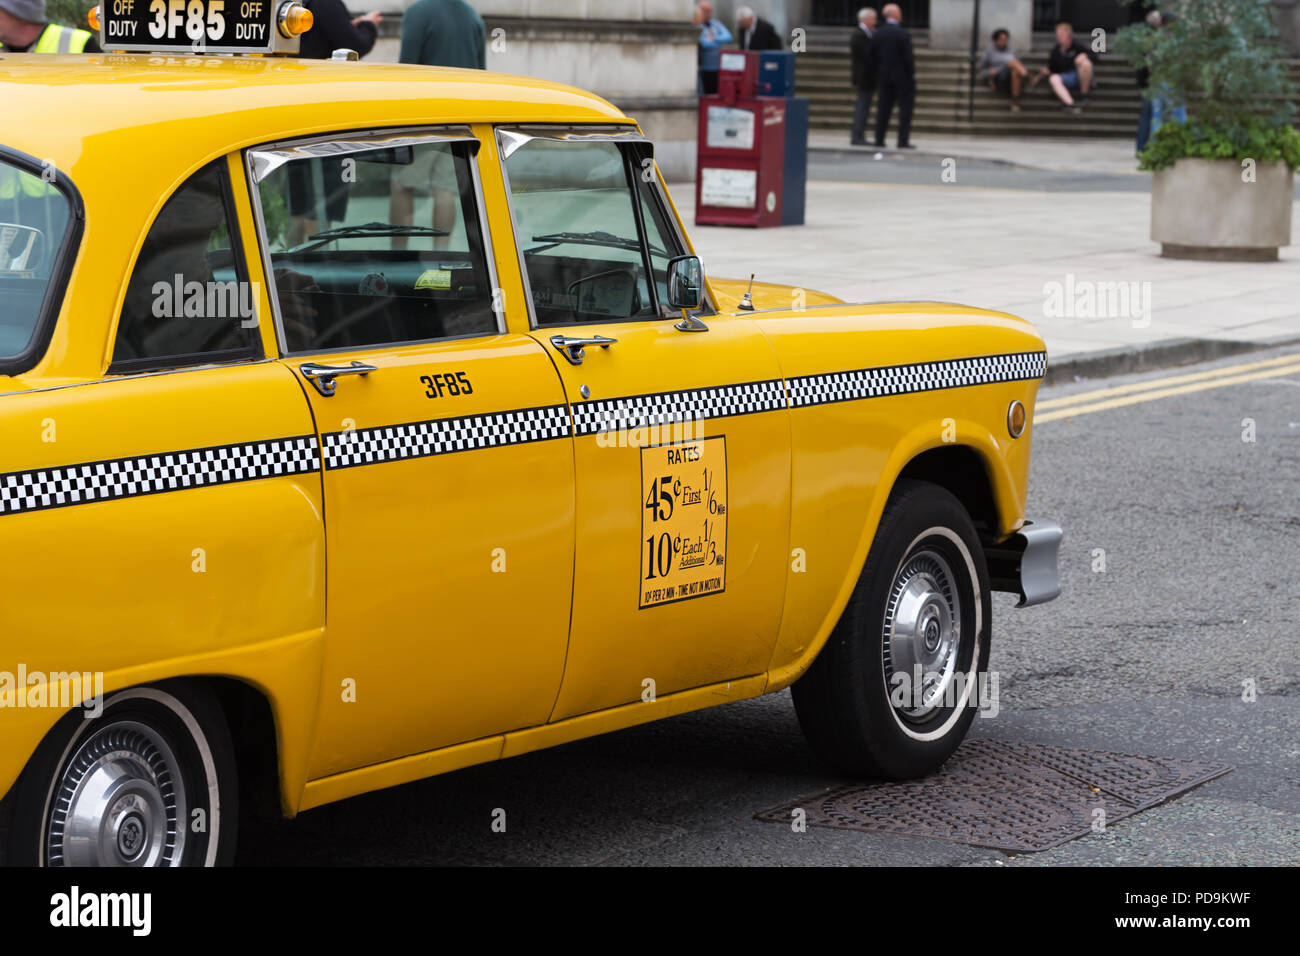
point(1025, 563)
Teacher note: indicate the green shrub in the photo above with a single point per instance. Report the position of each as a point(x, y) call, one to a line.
point(1197, 139)
point(1220, 59)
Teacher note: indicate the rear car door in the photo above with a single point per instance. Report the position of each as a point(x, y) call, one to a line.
point(448, 470)
point(681, 439)
point(174, 502)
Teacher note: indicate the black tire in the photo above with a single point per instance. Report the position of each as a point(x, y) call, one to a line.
point(844, 700)
point(181, 762)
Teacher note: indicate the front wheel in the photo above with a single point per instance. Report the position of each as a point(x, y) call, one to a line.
point(149, 782)
point(894, 690)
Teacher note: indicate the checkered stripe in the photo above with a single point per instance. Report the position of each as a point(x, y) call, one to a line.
point(368, 446)
point(918, 377)
point(41, 488)
point(666, 408)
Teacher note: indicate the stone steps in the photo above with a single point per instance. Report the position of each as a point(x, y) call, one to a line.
point(943, 90)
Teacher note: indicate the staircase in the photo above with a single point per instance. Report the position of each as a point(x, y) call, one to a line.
point(943, 89)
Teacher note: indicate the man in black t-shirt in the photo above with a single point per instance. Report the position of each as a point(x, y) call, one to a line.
point(1069, 68)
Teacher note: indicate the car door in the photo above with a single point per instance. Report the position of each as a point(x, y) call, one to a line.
point(448, 470)
point(681, 442)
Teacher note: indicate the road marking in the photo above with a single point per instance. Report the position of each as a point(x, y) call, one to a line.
point(1152, 395)
point(1151, 385)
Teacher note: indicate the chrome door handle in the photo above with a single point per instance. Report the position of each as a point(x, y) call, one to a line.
point(323, 376)
point(573, 349)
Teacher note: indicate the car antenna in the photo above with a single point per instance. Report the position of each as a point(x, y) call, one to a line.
point(747, 303)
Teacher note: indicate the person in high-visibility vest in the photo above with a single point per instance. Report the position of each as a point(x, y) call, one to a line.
point(23, 29)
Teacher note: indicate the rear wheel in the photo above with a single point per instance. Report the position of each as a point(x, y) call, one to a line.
point(149, 782)
point(894, 690)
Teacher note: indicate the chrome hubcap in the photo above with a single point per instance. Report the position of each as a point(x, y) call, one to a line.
point(120, 802)
point(922, 635)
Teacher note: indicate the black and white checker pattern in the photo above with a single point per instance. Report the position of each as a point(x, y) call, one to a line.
point(41, 488)
point(667, 408)
point(917, 377)
point(368, 446)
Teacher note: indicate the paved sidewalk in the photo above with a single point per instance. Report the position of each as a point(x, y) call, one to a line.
point(1033, 253)
point(1054, 153)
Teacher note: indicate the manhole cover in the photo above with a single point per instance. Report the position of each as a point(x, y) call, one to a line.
point(1008, 796)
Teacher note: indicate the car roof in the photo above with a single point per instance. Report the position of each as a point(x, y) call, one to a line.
point(102, 109)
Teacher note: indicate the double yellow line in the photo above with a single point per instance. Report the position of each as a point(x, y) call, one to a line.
point(1099, 400)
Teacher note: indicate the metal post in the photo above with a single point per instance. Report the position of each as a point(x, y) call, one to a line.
point(974, 41)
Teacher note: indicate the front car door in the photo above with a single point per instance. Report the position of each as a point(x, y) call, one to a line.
point(682, 546)
point(448, 470)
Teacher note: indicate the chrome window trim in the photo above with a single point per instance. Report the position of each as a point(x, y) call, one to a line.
point(511, 137)
point(363, 141)
point(265, 160)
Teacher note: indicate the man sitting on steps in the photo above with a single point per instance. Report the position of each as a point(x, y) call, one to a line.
point(1069, 69)
point(1002, 68)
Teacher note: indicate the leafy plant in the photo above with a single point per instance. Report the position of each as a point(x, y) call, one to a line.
point(1220, 59)
point(69, 13)
point(1196, 139)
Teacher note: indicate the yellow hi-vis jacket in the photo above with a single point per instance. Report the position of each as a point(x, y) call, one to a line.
point(57, 39)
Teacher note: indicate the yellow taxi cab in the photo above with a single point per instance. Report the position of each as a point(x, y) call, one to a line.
point(366, 422)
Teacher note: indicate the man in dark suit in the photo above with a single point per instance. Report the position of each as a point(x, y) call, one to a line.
point(897, 76)
point(755, 33)
point(862, 55)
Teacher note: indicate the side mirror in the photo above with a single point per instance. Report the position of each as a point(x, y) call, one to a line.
point(22, 249)
point(685, 282)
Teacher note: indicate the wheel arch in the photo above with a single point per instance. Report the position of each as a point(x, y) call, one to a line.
point(973, 468)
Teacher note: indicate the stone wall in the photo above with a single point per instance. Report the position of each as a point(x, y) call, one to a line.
point(638, 54)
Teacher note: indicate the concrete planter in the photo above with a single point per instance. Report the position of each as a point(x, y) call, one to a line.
point(1201, 209)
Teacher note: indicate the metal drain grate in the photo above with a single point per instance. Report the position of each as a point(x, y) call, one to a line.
point(1007, 796)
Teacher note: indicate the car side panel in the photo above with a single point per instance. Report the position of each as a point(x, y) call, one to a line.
point(846, 455)
point(181, 542)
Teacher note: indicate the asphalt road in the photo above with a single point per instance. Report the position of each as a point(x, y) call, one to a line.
point(1200, 592)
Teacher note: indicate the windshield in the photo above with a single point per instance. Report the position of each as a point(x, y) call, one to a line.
point(34, 216)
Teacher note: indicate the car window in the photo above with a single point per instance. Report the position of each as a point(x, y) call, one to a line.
point(34, 216)
point(189, 300)
point(662, 240)
point(377, 246)
point(576, 226)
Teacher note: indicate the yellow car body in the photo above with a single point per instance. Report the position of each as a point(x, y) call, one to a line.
point(408, 615)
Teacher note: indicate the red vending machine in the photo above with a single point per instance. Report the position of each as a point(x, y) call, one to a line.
point(741, 149)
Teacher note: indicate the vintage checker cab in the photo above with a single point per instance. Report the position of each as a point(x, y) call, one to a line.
point(362, 422)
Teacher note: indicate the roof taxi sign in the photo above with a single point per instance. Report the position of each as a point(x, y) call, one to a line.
point(201, 26)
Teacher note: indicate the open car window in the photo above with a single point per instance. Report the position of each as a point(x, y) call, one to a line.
point(374, 244)
point(591, 248)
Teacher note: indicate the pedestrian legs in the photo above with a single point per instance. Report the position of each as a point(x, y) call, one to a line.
point(906, 100)
point(861, 109)
point(884, 107)
point(1144, 123)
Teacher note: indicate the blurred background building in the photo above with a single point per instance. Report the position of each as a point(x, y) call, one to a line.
point(641, 55)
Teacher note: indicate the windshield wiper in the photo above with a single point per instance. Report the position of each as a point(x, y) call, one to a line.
point(367, 229)
point(597, 238)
